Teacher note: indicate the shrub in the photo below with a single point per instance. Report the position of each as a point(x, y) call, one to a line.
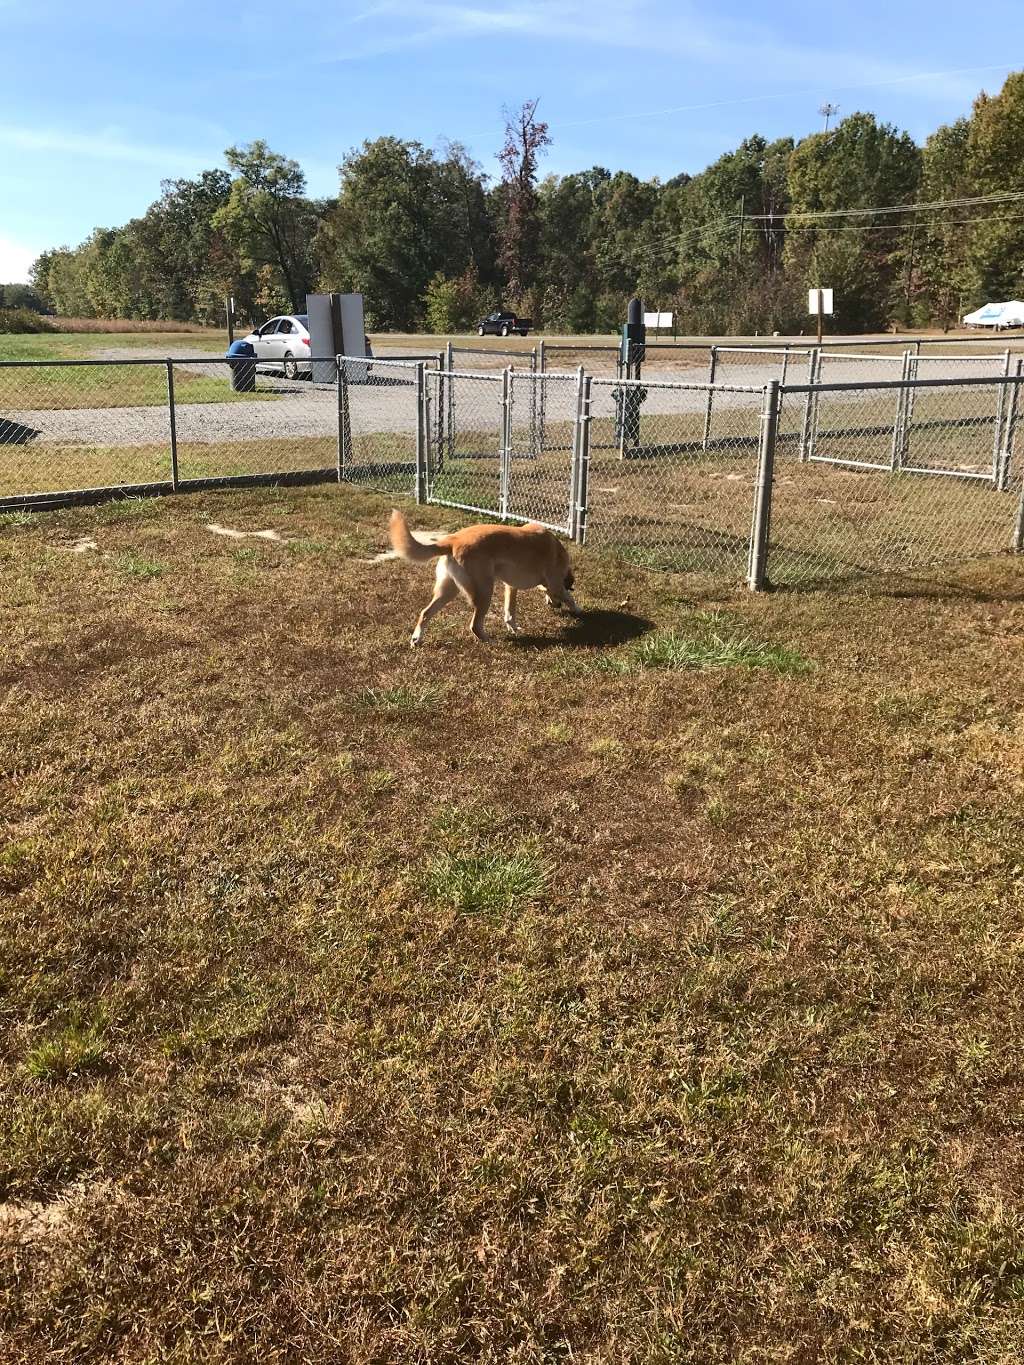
point(23, 320)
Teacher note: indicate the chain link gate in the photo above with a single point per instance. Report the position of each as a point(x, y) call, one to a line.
point(483, 450)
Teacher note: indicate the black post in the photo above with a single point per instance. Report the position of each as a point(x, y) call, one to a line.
point(229, 308)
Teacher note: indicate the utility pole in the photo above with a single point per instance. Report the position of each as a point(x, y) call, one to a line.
point(828, 112)
point(739, 238)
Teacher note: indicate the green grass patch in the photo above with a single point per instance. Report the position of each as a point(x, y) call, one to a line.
point(400, 699)
point(77, 1049)
point(484, 883)
point(670, 649)
point(135, 565)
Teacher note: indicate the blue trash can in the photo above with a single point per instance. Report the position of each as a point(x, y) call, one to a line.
point(241, 358)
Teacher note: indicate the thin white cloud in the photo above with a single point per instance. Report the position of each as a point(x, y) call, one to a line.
point(103, 145)
point(683, 30)
point(15, 260)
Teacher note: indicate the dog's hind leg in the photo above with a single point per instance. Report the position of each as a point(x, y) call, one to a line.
point(482, 594)
point(510, 610)
point(445, 589)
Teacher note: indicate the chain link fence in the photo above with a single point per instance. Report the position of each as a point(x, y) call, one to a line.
point(876, 462)
point(840, 516)
point(656, 492)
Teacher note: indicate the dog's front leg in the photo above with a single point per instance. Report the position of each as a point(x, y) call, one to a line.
point(511, 597)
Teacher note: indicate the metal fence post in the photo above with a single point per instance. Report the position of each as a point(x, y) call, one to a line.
point(1011, 407)
point(908, 403)
point(762, 517)
point(542, 397)
point(173, 422)
point(506, 442)
point(533, 403)
point(898, 450)
point(439, 415)
point(808, 429)
point(421, 434)
point(1018, 532)
point(574, 470)
point(583, 476)
point(997, 436)
point(344, 424)
point(712, 367)
point(449, 406)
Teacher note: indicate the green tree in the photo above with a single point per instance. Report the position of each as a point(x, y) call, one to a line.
point(861, 164)
point(995, 160)
point(519, 230)
point(402, 217)
point(268, 218)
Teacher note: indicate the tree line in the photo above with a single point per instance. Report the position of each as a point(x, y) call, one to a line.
point(432, 243)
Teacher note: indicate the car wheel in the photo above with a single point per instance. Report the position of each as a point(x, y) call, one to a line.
point(291, 370)
point(504, 331)
point(479, 331)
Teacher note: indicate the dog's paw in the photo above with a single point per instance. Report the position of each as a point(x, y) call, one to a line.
point(512, 628)
point(414, 642)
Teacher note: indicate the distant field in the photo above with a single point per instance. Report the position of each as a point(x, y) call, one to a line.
point(641, 991)
point(85, 345)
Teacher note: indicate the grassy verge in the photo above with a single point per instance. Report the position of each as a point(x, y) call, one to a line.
point(474, 1003)
point(84, 345)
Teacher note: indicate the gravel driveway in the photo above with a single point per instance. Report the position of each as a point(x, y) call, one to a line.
point(300, 409)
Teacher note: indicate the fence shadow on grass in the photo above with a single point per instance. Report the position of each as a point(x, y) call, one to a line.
point(595, 629)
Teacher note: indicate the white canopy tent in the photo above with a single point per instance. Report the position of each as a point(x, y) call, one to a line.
point(997, 315)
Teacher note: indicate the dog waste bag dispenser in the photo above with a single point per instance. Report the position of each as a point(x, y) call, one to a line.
point(335, 324)
point(634, 338)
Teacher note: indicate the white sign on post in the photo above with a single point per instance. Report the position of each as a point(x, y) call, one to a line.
point(661, 322)
point(819, 302)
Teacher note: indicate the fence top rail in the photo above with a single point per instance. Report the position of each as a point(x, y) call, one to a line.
point(491, 350)
point(689, 386)
point(404, 362)
point(186, 360)
point(967, 381)
point(956, 359)
point(583, 346)
point(887, 359)
point(482, 376)
point(809, 343)
point(764, 350)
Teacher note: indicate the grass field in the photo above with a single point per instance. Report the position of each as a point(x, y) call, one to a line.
point(646, 989)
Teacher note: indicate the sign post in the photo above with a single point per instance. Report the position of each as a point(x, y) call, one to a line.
point(820, 304)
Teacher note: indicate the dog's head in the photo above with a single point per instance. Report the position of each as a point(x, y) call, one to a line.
point(560, 591)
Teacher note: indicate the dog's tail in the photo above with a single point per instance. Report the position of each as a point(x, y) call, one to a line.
point(405, 544)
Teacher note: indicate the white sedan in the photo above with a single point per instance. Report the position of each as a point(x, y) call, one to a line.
point(285, 341)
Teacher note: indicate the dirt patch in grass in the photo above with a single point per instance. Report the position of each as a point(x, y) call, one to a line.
point(483, 1004)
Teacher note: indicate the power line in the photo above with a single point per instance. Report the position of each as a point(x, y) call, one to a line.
point(1004, 197)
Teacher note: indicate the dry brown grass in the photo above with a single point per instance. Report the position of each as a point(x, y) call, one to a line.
point(106, 325)
point(496, 1004)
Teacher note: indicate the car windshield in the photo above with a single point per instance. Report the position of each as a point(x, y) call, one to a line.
point(303, 318)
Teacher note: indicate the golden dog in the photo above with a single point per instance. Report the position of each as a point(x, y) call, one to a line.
point(474, 559)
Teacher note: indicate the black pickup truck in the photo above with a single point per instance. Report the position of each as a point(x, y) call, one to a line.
point(503, 325)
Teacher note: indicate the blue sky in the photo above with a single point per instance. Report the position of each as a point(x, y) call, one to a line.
point(100, 101)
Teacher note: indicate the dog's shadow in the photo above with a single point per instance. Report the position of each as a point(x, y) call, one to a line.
point(593, 630)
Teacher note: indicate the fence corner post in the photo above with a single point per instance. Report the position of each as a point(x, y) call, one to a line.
point(808, 426)
point(421, 433)
point(583, 466)
point(344, 429)
point(757, 579)
point(506, 442)
point(712, 367)
point(172, 419)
